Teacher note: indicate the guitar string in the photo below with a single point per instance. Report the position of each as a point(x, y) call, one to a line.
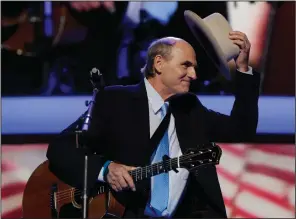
point(66, 196)
point(135, 172)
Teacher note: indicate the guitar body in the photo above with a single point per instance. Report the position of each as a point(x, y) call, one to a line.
point(45, 196)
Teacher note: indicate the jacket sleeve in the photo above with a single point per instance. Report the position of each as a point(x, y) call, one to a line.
point(241, 125)
point(66, 161)
point(207, 186)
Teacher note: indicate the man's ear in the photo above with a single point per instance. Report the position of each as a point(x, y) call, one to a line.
point(158, 63)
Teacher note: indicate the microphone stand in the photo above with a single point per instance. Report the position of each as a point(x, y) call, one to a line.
point(98, 84)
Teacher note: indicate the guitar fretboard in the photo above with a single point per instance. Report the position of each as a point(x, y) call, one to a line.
point(146, 172)
point(189, 160)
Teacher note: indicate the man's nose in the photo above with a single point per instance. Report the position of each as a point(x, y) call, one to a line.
point(192, 74)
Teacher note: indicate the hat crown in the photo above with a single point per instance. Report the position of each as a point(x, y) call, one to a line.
point(220, 29)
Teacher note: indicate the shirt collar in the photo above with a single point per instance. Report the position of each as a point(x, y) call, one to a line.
point(154, 98)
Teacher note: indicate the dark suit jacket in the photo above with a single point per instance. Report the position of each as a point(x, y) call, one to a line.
point(120, 132)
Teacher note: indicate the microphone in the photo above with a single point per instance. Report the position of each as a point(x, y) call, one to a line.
point(96, 79)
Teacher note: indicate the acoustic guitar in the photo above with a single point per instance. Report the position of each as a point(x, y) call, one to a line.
point(45, 196)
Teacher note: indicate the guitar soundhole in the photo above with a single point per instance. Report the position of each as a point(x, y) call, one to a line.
point(78, 196)
point(66, 210)
point(214, 154)
point(73, 209)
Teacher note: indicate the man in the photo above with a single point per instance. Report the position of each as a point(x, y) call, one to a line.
point(125, 117)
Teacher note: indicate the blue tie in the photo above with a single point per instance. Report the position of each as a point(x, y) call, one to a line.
point(160, 189)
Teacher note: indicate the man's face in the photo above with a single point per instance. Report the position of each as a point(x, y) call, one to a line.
point(179, 71)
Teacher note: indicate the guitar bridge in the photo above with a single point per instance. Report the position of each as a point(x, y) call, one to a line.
point(53, 200)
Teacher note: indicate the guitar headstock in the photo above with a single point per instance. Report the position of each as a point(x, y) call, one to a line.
point(196, 157)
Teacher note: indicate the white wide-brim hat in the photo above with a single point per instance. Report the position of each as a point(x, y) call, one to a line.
point(212, 32)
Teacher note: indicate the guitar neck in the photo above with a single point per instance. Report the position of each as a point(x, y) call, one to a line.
point(147, 172)
point(192, 159)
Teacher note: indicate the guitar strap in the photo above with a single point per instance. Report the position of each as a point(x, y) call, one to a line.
point(159, 133)
point(145, 186)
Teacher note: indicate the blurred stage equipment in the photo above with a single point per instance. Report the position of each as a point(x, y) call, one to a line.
point(279, 71)
point(37, 27)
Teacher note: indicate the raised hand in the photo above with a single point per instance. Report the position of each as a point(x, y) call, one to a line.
point(240, 39)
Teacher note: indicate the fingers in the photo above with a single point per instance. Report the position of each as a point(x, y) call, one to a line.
point(244, 46)
point(119, 178)
point(116, 186)
point(237, 37)
point(241, 44)
point(128, 177)
point(129, 181)
point(116, 182)
point(237, 33)
point(240, 39)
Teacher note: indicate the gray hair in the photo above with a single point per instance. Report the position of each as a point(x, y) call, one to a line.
point(161, 47)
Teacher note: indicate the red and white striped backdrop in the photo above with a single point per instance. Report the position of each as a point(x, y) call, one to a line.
point(257, 180)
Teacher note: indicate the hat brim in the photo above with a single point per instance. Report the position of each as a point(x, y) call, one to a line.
point(207, 40)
